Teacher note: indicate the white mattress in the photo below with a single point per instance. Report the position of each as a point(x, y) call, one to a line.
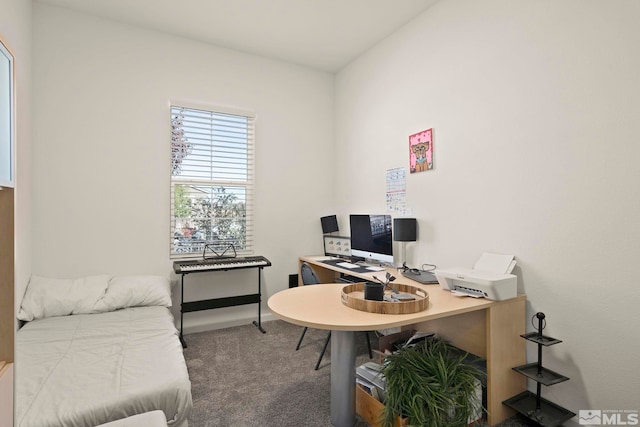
point(89, 369)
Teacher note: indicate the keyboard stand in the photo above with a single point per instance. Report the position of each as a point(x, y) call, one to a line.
point(187, 307)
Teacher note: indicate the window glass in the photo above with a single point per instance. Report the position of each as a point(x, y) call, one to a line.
point(211, 181)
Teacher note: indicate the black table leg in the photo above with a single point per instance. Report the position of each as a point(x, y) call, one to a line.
point(184, 343)
point(258, 324)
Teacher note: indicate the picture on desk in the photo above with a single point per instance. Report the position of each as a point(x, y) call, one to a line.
point(421, 151)
point(337, 246)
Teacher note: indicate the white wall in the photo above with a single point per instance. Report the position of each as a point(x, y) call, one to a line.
point(101, 152)
point(534, 106)
point(15, 27)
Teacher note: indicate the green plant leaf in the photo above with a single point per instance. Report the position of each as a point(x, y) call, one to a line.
point(432, 385)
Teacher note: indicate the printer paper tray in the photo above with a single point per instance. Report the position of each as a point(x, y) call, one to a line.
point(467, 292)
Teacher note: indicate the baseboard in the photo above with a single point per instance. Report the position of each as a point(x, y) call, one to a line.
point(211, 326)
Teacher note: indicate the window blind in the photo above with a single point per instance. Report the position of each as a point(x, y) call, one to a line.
point(212, 167)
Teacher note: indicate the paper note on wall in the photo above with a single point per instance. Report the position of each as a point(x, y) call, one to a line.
point(396, 190)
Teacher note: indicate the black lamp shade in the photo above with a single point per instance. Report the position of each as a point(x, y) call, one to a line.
point(329, 224)
point(404, 229)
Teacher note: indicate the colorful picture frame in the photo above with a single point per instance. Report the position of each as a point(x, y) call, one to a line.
point(421, 151)
point(339, 246)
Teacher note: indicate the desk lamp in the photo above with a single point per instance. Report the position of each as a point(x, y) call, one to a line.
point(404, 230)
point(329, 224)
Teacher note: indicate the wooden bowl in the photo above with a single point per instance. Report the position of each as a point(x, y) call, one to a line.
point(353, 296)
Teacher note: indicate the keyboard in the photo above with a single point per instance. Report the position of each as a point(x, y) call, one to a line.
point(347, 265)
point(219, 264)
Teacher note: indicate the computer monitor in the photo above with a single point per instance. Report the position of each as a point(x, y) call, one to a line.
point(371, 237)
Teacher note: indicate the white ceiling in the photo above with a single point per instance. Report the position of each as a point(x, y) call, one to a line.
point(322, 34)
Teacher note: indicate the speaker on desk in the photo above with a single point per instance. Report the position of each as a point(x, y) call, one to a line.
point(405, 230)
point(329, 224)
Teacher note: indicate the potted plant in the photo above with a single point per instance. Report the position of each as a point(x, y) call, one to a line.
point(431, 384)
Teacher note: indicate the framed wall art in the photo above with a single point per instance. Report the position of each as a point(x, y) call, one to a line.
point(421, 151)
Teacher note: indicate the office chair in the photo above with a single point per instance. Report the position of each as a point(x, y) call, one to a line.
point(309, 277)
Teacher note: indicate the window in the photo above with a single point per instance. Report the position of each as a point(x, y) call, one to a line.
point(211, 181)
point(7, 119)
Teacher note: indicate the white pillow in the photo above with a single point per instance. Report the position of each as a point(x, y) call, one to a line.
point(46, 297)
point(136, 291)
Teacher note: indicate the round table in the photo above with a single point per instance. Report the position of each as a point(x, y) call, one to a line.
point(321, 307)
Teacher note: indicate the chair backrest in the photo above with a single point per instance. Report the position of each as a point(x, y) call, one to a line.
point(309, 276)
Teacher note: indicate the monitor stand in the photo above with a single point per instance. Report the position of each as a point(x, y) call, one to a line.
point(369, 264)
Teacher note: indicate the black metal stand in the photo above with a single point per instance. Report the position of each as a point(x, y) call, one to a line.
point(533, 406)
point(258, 324)
point(187, 307)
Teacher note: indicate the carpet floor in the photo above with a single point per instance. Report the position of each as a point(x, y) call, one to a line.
point(243, 378)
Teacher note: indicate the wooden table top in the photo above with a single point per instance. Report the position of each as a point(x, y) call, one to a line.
point(321, 307)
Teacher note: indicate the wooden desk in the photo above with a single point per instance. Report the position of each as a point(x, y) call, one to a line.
point(489, 329)
point(6, 394)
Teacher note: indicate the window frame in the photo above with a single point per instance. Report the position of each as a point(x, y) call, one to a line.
point(248, 184)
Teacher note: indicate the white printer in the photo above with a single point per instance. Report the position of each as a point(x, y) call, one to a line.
point(489, 278)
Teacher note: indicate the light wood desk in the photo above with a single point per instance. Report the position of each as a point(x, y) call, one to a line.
point(489, 329)
point(6, 394)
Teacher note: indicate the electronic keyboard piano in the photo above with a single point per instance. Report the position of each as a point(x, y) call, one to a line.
point(204, 265)
point(226, 263)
